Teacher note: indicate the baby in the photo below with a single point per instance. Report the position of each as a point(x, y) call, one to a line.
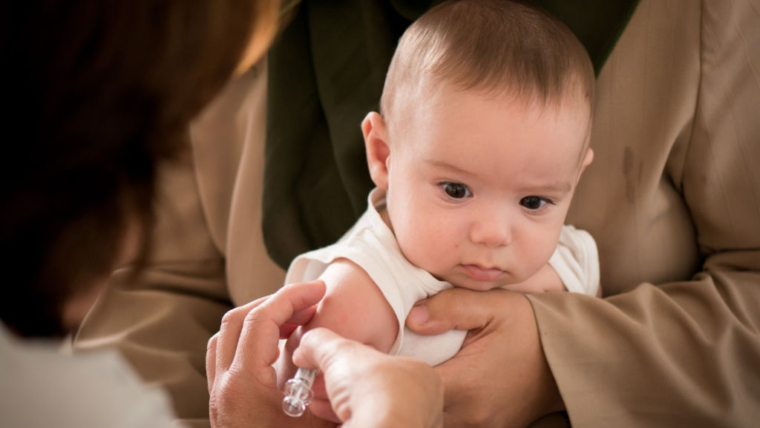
point(482, 138)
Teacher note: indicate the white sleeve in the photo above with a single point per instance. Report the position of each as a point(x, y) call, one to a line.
point(576, 260)
point(41, 387)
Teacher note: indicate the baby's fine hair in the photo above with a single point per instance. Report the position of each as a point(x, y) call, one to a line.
point(494, 47)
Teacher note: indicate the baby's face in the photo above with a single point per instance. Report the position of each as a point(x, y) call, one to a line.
point(478, 187)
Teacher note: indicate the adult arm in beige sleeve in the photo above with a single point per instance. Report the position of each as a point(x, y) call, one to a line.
point(162, 320)
point(683, 352)
point(208, 254)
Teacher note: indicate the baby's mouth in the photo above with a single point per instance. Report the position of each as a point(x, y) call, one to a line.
point(482, 274)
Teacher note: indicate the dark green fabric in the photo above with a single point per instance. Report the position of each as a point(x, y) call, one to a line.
point(326, 72)
point(597, 23)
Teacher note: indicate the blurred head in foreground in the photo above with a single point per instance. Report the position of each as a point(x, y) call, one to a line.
point(97, 96)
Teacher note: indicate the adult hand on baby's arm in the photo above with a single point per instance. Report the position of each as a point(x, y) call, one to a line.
point(500, 377)
point(241, 380)
point(369, 389)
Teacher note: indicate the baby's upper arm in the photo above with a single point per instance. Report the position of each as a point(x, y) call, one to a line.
point(355, 307)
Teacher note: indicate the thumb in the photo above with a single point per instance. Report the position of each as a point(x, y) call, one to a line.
point(333, 355)
point(319, 349)
point(457, 308)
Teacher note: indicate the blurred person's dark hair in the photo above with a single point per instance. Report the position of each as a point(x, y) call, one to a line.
point(97, 95)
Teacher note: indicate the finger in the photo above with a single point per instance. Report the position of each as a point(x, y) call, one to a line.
point(261, 326)
point(286, 330)
point(327, 351)
point(457, 308)
point(455, 386)
point(319, 387)
point(211, 361)
point(318, 349)
point(301, 317)
point(229, 334)
point(323, 410)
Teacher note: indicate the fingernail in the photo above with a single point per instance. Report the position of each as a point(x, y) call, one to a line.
point(418, 315)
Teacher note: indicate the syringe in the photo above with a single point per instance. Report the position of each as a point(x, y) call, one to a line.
point(298, 392)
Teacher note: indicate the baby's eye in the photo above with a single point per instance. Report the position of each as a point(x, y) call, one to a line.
point(456, 190)
point(534, 202)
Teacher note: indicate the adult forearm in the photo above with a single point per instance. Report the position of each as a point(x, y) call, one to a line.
point(163, 332)
point(675, 355)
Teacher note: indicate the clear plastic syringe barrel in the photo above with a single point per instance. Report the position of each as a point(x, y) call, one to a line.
point(298, 392)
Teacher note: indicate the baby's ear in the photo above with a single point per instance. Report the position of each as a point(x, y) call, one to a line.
point(378, 148)
point(589, 157)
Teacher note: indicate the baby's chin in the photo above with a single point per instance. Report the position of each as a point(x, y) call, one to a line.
point(469, 283)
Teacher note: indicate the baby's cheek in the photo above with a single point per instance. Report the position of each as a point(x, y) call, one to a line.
point(413, 246)
point(430, 247)
point(541, 251)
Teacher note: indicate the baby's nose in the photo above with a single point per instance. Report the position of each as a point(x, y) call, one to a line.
point(492, 230)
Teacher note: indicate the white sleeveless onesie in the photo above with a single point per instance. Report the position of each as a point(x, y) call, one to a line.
point(370, 244)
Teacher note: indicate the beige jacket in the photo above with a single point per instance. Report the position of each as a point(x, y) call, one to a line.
point(672, 198)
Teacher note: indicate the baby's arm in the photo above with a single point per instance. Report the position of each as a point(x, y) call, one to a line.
point(353, 307)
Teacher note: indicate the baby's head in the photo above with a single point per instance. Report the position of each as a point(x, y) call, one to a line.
point(486, 116)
